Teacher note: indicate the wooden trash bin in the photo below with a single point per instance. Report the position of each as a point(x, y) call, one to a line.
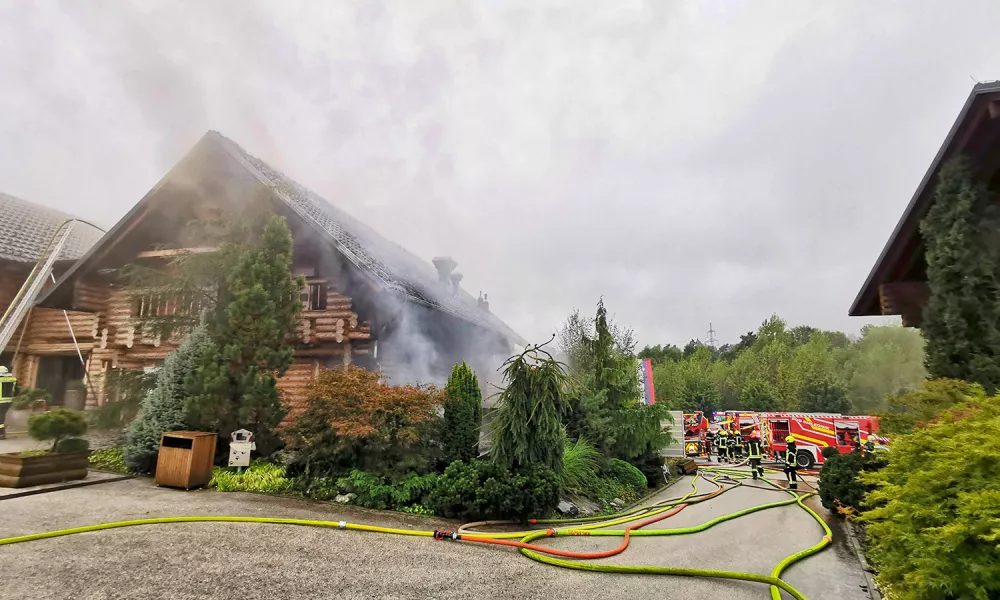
point(186, 459)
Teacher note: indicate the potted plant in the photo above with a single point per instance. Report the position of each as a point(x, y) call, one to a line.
point(65, 461)
point(75, 397)
point(27, 402)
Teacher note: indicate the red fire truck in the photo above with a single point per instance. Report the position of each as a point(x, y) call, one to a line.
point(815, 431)
point(695, 431)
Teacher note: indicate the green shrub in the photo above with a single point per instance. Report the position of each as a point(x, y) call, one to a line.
point(377, 492)
point(109, 459)
point(627, 474)
point(581, 464)
point(72, 445)
point(932, 521)
point(317, 488)
point(57, 425)
point(923, 405)
point(483, 490)
point(417, 509)
point(840, 489)
point(28, 397)
point(260, 476)
point(163, 407)
point(463, 415)
point(651, 466)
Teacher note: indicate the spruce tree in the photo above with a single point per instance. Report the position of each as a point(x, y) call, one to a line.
point(162, 408)
point(962, 319)
point(253, 326)
point(527, 431)
point(463, 413)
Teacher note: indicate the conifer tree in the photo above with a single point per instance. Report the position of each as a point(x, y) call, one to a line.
point(962, 319)
point(162, 408)
point(463, 412)
point(253, 327)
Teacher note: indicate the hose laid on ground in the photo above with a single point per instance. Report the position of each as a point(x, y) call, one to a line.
point(653, 514)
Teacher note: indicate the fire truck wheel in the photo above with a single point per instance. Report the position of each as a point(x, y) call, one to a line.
point(804, 459)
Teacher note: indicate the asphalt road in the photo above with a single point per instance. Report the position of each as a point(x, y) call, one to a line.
point(240, 560)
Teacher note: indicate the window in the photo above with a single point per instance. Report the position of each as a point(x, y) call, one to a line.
point(314, 297)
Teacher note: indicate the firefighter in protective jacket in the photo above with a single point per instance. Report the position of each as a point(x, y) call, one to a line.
point(7, 382)
point(755, 455)
point(722, 444)
point(790, 459)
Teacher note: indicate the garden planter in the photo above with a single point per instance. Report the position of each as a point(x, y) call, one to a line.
point(75, 399)
point(24, 471)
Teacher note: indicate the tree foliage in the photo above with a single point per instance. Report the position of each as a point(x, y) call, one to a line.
point(962, 318)
point(253, 327)
point(355, 421)
point(790, 363)
point(923, 405)
point(932, 522)
point(825, 396)
point(57, 425)
point(463, 413)
point(163, 408)
point(527, 431)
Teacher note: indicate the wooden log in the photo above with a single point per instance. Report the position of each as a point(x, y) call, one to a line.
point(319, 351)
point(330, 336)
point(359, 335)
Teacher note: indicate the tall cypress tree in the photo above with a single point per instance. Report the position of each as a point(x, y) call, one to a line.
point(463, 413)
point(962, 318)
point(253, 327)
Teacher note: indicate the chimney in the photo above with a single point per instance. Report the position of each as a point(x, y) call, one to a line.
point(456, 278)
point(444, 265)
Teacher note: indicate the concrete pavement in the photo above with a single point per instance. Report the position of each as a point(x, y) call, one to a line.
point(266, 561)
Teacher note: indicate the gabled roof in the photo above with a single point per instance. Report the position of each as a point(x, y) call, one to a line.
point(906, 236)
point(27, 228)
point(390, 265)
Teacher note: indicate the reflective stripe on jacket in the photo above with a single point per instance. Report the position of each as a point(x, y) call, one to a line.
point(753, 449)
point(789, 456)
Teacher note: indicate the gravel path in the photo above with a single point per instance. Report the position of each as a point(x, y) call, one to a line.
point(221, 560)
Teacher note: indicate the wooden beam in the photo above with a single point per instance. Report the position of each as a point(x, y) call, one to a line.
point(906, 299)
point(175, 252)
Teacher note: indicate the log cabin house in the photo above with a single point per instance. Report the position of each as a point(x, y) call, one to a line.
point(897, 284)
point(366, 300)
point(42, 344)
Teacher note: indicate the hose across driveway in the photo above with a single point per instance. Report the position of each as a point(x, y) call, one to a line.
point(723, 480)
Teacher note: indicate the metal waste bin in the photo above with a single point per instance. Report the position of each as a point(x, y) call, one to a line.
point(186, 459)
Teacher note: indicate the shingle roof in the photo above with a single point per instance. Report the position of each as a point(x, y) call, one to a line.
point(395, 267)
point(26, 229)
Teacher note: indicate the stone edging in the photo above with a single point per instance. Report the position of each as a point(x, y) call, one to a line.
point(873, 591)
point(67, 486)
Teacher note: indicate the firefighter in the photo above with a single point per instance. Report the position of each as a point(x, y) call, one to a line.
point(755, 454)
point(736, 444)
point(790, 464)
point(7, 382)
point(722, 443)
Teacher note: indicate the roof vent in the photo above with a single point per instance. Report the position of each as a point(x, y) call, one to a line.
point(444, 265)
point(456, 279)
point(484, 302)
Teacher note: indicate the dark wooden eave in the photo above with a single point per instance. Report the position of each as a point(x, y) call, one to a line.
point(900, 266)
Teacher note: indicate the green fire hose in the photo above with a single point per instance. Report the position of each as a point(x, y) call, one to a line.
point(596, 527)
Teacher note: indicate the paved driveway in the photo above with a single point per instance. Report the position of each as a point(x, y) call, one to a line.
point(241, 560)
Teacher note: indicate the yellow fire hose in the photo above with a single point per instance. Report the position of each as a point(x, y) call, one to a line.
point(593, 529)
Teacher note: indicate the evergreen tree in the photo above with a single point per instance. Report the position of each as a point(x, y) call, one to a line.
point(758, 396)
point(527, 431)
point(463, 413)
point(253, 326)
point(825, 396)
point(163, 407)
point(962, 319)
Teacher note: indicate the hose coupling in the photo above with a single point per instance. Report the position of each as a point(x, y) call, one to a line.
point(440, 535)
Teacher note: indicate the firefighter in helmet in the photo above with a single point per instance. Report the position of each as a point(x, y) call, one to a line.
point(790, 458)
point(722, 444)
point(7, 382)
point(755, 454)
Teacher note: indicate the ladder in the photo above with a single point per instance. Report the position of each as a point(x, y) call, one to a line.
point(28, 293)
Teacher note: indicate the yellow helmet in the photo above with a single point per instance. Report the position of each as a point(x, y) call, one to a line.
point(790, 439)
point(723, 432)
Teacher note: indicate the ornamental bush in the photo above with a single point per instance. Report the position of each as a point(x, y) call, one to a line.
point(932, 519)
point(463, 414)
point(482, 490)
point(840, 489)
point(57, 425)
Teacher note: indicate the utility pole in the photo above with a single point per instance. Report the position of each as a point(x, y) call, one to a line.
point(711, 337)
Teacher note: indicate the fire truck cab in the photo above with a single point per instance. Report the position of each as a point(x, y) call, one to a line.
point(695, 430)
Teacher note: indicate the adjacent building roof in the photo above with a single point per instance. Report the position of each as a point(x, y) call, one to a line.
point(27, 228)
point(974, 133)
point(392, 265)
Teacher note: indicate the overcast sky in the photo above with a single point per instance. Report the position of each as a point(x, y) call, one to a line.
point(692, 162)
